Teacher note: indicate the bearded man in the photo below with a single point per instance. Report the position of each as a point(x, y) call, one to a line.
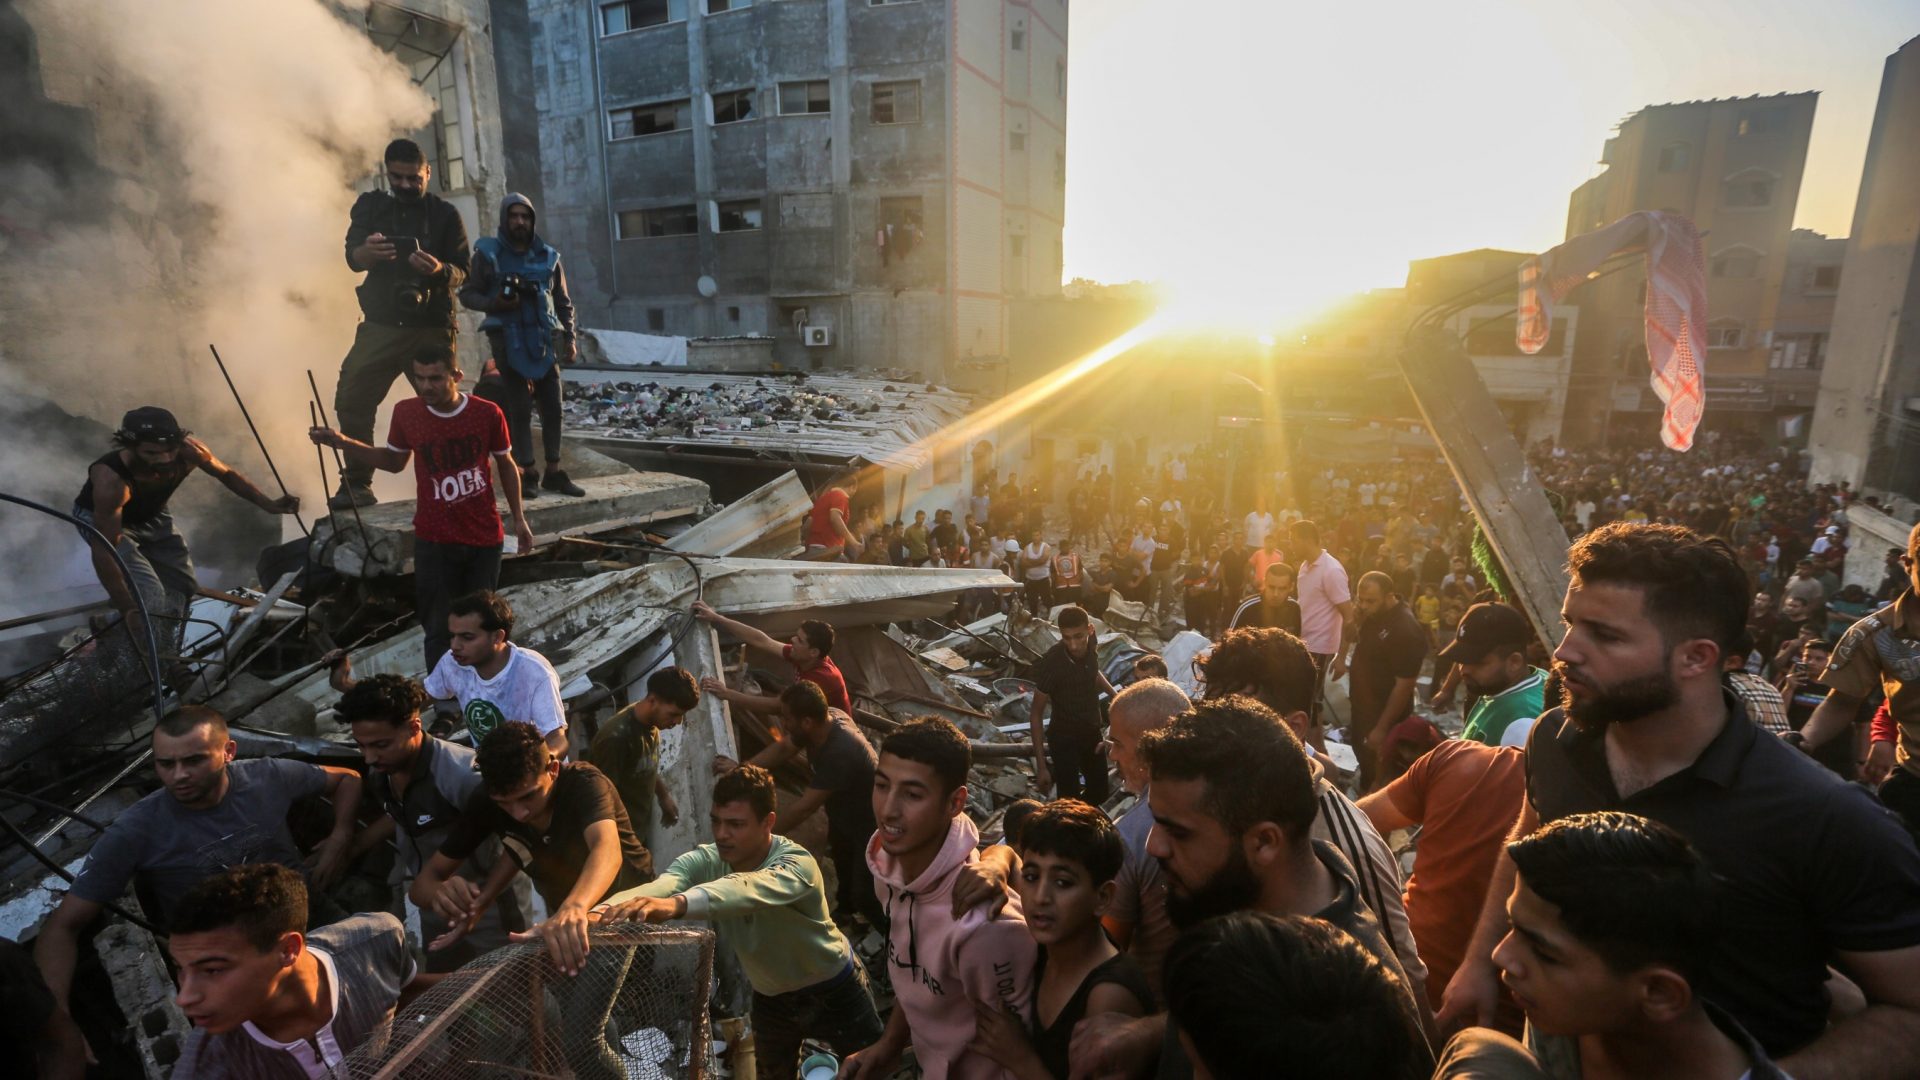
point(1815, 872)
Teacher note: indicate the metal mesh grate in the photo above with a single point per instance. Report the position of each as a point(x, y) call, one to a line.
point(637, 1010)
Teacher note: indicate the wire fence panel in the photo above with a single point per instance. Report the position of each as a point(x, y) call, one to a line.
point(636, 1011)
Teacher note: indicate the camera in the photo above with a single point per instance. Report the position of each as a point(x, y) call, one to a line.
point(512, 285)
point(410, 295)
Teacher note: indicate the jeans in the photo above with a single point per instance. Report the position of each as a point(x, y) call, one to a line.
point(442, 572)
point(380, 354)
point(519, 398)
point(156, 556)
point(1079, 769)
point(853, 882)
point(838, 1012)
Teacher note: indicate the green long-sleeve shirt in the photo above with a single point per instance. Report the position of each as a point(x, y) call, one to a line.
point(774, 916)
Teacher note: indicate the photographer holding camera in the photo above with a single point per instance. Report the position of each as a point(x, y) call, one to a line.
point(518, 282)
point(412, 246)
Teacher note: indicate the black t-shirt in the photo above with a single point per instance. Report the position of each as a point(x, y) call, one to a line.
point(1391, 645)
point(1073, 686)
point(1233, 572)
point(1810, 865)
point(945, 535)
point(843, 766)
point(553, 856)
point(1169, 546)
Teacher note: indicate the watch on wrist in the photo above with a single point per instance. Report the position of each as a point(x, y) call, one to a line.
point(1794, 738)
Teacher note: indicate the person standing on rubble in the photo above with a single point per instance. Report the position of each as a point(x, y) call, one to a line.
point(807, 651)
point(517, 280)
point(125, 498)
point(627, 747)
point(412, 246)
point(1068, 678)
point(449, 436)
point(830, 536)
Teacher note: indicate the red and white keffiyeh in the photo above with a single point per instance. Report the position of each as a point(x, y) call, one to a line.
point(1676, 305)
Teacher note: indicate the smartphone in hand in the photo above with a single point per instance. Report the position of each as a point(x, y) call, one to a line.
point(404, 246)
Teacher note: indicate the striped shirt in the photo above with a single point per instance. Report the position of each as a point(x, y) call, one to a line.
point(1376, 872)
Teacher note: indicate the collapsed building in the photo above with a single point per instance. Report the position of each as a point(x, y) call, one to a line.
point(605, 595)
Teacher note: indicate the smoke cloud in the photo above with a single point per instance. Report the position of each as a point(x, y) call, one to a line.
point(175, 174)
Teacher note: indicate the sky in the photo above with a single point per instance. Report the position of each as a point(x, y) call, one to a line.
point(1262, 157)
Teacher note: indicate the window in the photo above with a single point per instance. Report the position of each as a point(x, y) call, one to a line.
point(446, 94)
point(902, 218)
point(1675, 157)
point(1748, 190)
point(733, 106)
point(733, 314)
point(1017, 140)
point(660, 221)
point(798, 98)
point(1019, 39)
point(618, 18)
point(736, 215)
point(896, 103)
point(1826, 278)
point(1736, 263)
point(1016, 246)
point(716, 7)
point(1725, 334)
point(1798, 352)
point(656, 319)
point(653, 119)
point(1761, 122)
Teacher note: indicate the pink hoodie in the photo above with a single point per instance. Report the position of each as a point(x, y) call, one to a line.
point(941, 965)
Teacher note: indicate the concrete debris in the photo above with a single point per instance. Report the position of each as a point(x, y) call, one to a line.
point(882, 422)
point(144, 990)
point(765, 523)
point(379, 541)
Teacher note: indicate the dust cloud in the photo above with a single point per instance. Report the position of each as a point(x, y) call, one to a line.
point(174, 174)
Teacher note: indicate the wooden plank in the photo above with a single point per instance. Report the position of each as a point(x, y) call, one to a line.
point(1500, 486)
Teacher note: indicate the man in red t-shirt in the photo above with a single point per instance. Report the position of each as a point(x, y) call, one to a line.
point(806, 651)
point(1464, 795)
point(450, 437)
point(830, 525)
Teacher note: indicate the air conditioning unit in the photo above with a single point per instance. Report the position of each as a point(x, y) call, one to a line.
point(816, 337)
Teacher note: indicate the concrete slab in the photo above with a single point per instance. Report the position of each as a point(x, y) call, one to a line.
point(763, 524)
point(613, 501)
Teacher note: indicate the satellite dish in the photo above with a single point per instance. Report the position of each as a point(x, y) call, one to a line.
point(708, 287)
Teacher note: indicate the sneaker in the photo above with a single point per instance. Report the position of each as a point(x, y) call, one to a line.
point(351, 495)
point(529, 483)
point(557, 481)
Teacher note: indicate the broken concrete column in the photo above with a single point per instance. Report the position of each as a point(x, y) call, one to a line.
point(144, 992)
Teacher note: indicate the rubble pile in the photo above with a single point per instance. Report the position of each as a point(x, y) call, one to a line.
point(652, 410)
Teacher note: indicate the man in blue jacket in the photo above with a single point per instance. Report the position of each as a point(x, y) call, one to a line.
point(517, 280)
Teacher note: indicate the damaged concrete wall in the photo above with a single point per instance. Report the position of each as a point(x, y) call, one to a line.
point(826, 185)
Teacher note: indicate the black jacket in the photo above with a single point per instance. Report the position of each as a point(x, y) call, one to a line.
point(441, 233)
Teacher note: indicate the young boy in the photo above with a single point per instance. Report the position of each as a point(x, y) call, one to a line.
point(627, 747)
point(1070, 855)
point(561, 823)
point(763, 893)
point(423, 783)
point(944, 967)
point(1614, 920)
point(269, 1001)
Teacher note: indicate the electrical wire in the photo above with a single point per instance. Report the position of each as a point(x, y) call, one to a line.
point(262, 443)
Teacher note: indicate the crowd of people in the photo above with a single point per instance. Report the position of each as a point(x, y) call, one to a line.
point(1675, 838)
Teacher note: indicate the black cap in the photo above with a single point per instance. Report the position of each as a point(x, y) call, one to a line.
point(1484, 628)
point(150, 423)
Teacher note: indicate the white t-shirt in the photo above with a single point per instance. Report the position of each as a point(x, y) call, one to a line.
point(1039, 560)
point(1258, 525)
point(1367, 493)
point(527, 690)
